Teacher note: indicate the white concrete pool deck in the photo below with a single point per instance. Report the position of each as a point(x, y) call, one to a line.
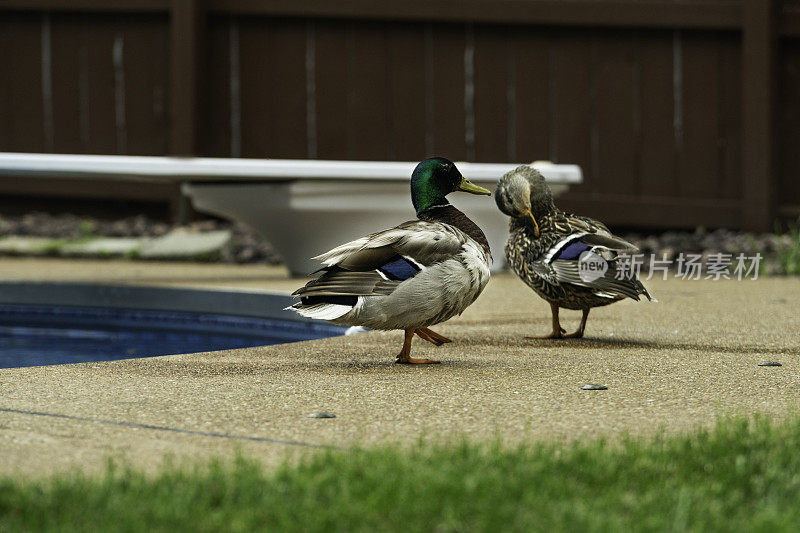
point(674, 365)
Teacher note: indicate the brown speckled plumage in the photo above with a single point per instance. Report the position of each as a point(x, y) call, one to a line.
point(545, 244)
point(525, 253)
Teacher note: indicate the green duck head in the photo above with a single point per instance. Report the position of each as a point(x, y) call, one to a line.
point(523, 194)
point(435, 178)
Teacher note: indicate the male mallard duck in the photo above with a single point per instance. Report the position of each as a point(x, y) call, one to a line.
point(409, 277)
point(549, 250)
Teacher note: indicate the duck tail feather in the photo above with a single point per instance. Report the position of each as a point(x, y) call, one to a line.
point(321, 311)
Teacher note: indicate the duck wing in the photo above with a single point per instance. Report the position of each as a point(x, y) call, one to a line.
point(423, 242)
point(564, 263)
point(378, 263)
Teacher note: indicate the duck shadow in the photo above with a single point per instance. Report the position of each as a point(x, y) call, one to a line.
point(589, 343)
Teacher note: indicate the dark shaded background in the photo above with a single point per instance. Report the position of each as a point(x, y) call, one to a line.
point(680, 113)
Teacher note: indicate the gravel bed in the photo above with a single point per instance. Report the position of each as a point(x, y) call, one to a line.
point(775, 249)
point(249, 247)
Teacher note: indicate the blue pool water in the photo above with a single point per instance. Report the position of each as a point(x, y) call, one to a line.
point(33, 335)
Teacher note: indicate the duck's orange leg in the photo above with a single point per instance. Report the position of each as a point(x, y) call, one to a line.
point(404, 357)
point(558, 331)
point(431, 336)
point(579, 333)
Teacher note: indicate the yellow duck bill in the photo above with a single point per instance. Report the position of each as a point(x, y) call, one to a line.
point(530, 221)
point(468, 186)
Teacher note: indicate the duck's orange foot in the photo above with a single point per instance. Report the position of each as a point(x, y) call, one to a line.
point(431, 336)
point(555, 334)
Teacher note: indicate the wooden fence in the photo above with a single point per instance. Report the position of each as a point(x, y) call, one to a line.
point(681, 113)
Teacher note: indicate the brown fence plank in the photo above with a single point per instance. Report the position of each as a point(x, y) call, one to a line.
point(406, 92)
point(135, 114)
point(788, 178)
point(216, 118)
point(759, 54)
point(572, 103)
point(146, 82)
point(448, 126)
point(331, 89)
point(6, 45)
point(102, 124)
point(69, 54)
point(367, 90)
point(187, 47)
point(273, 90)
point(533, 121)
point(615, 141)
point(22, 105)
point(790, 22)
point(657, 162)
point(493, 71)
point(654, 211)
point(729, 144)
point(699, 161)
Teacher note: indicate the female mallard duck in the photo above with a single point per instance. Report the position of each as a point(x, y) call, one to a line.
point(550, 251)
point(409, 277)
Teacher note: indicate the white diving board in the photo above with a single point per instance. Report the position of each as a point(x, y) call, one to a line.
point(302, 207)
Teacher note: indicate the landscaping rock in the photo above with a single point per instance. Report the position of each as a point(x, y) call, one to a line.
point(322, 414)
point(103, 247)
point(594, 386)
point(182, 245)
point(34, 246)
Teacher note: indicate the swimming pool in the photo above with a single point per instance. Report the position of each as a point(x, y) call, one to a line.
point(42, 323)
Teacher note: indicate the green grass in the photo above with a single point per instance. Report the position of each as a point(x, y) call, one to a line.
point(789, 257)
point(86, 228)
point(739, 476)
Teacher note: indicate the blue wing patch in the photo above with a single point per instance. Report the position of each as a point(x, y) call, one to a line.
point(573, 251)
point(399, 268)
